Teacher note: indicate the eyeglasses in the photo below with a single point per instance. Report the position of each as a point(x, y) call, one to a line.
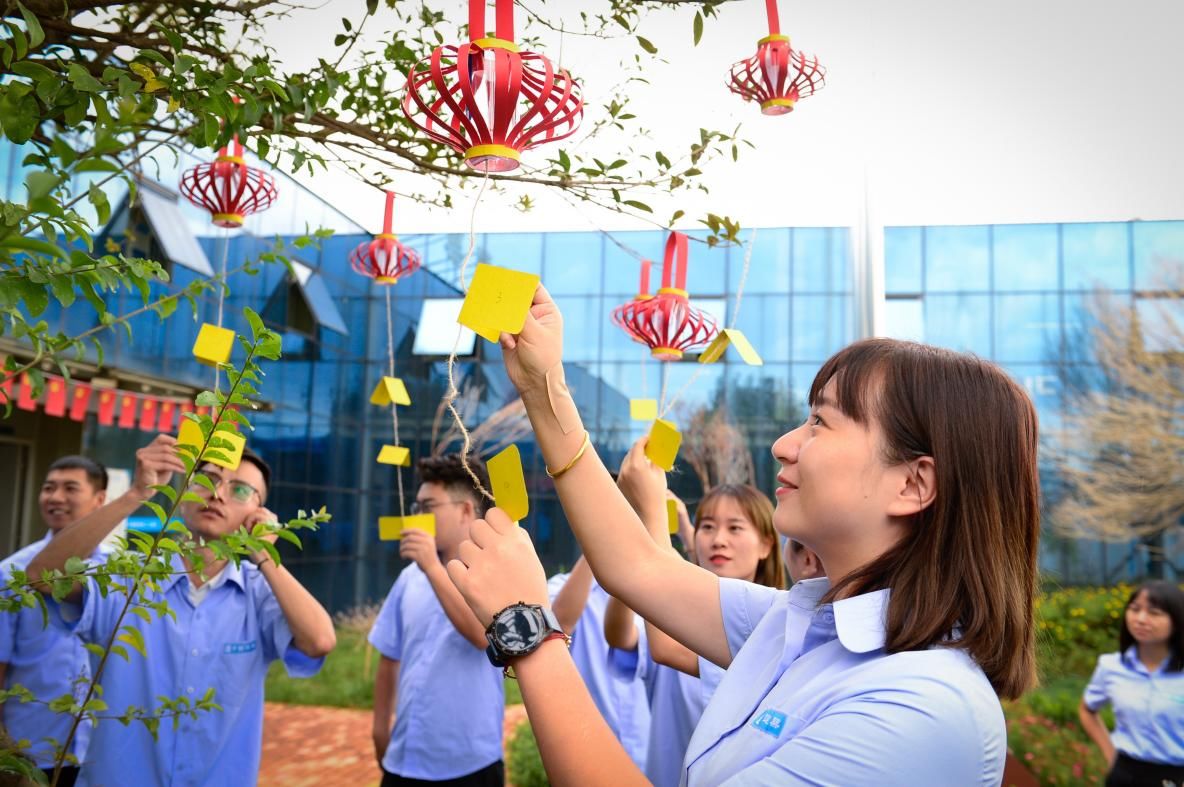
point(428, 506)
point(240, 491)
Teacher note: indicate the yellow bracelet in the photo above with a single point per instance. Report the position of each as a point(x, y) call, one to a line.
point(583, 447)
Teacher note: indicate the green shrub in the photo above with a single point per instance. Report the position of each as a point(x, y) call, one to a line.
point(524, 766)
point(1054, 753)
point(1074, 625)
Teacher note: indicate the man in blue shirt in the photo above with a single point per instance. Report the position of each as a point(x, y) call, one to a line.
point(229, 622)
point(447, 700)
point(44, 659)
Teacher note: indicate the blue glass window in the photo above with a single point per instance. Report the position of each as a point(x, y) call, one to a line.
point(904, 318)
point(960, 322)
point(769, 265)
point(821, 260)
point(902, 259)
point(1158, 246)
point(957, 259)
point(821, 326)
point(1044, 386)
point(621, 265)
point(1026, 257)
point(1096, 255)
point(765, 321)
point(1027, 327)
point(582, 321)
point(573, 263)
point(706, 266)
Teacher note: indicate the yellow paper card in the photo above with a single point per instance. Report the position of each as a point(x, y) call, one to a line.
point(190, 434)
point(509, 485)
point(395, 455)
point(390, 528)
point(498, 300)
point(643, 409)
point(663, 444)
point(735, 337)
point(390, 389)
point(672, 517)
point(213, 344)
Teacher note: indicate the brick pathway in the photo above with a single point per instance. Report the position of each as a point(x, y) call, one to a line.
point(308, 746)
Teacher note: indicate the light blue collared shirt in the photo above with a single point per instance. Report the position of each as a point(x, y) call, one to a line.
point(618, 694)
point(48, 662)
point(812, 698)
point(450, 701)
point(226, 643)
point(1148, 706)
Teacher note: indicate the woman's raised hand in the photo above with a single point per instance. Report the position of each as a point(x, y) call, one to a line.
point(643, 483)
point(538, 348)
point(497, 567)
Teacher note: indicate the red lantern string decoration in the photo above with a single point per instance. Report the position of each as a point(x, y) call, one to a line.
point(385, 259)
point(228, 187)
point(776, 76)
point(489, 101)
point(643, 294)
point(666, 322)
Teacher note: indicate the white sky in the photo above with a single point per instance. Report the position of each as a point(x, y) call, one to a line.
point(951, 112)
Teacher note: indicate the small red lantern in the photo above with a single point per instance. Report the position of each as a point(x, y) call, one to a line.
point(229, 188)
point(385, 259)
point(666, 322)
point(643, 294)
point(487, 100)
point(776, 76)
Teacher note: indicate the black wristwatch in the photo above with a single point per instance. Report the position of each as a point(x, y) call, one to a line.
point(520, 629)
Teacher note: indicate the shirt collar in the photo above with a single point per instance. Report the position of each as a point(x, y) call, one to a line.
point(859, 620)
point(229, 573)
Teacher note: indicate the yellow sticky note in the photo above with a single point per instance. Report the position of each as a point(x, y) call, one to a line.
point(190, 434)
point(390, 389)
point(390, 528)
point(213, 344)
point(663, 444)
point(509, 485)
point(498, 300)
point(395, 455)
point(736, 338)
point(672, 516)
point(643, 409)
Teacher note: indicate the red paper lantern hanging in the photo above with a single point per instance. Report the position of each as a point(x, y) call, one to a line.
point(643, 294)
point(776, 76)
point(489, 101)
point(229, 188)
point(666, 322)
point(385, 259)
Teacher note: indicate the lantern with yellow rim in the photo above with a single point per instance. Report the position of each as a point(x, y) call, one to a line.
point(667, 323)
point(776, 77)
point(620, 315)
point(385, 259)
point(488, 100)
point(229, 188)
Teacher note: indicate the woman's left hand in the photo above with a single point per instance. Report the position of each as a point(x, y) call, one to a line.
point(498, 567)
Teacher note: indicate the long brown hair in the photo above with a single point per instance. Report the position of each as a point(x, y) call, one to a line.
point(968, 560)
point(758, 510)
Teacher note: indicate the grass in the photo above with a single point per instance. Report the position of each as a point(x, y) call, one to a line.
point(346, 680)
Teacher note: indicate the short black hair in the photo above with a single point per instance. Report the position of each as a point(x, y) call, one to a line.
point(448, 471)
point(94, 470)
point(264, 470)
point(1168, 598)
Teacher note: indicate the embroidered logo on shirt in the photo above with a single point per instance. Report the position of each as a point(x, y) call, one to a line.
point(771, 722)
point(239, 647)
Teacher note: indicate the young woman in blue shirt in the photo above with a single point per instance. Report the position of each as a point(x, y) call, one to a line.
point(1144, 684)
point(914, 479)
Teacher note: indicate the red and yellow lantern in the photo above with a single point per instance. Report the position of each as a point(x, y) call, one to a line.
point(228, 187)
point(385, 259)
point(777, 76)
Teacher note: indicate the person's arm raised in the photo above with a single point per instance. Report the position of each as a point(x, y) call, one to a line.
point(625, 560)
point(573, 596)
point(155, 464)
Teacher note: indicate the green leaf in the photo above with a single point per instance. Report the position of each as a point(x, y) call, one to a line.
point(698, 27)
point(290, 537)
point(81, 79)
point(132, 636)
point(36, 34)
point(161, 516)
point(40, 183)
point(647, 46)
point(639, 205)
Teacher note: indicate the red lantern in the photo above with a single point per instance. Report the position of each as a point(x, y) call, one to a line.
point(385, 259)
point(228, 188)
point(776, 76)
point(643, 294)
point(666, 322)
point(487, 100)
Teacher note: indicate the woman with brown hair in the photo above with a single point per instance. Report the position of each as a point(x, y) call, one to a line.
point(914, 480)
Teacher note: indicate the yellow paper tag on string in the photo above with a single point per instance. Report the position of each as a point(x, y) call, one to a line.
point(643, 409)
point(672, 516)
point(390, 528)
point(190, 434)
point(662, 447)
point(498, 300)
point(390, 389)
point(395, 455)
point(508, 483)
point(736, 338)
point(213, 344)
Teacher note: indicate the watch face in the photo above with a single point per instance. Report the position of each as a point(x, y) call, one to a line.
point(517, 630)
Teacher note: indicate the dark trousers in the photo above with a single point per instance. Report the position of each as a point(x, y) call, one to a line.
point(489, 776)
point(1129, 772)
point(66, 778)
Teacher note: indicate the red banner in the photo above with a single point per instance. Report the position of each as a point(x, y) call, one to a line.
point(127, 411)
point(24, 398)
point(80, 402)
point(168, 411)
point(55, 397)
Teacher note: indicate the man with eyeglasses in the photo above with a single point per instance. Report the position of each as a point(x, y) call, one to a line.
point(446, 700)
point(43, 658)
point(228, 624)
